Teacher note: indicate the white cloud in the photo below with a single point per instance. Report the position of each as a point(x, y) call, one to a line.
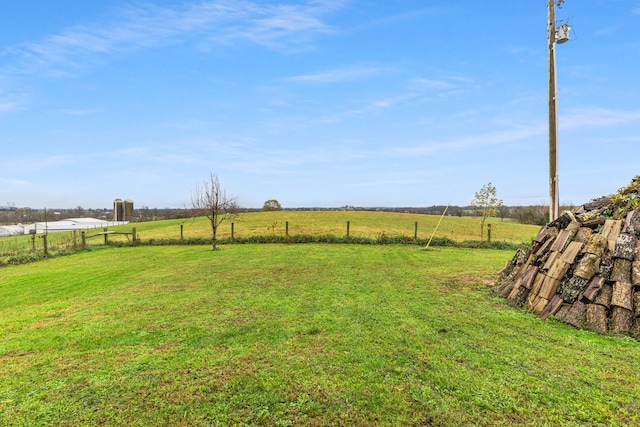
point(8, 107)
point(342, 74)
point(405, 16)
point(514, 134)
point(407, 177)
point(574, 119)
point(219, 22)
point(73, 112)
point(14, 181)
point(371, 107)
point(40, 164)
point(597, 117)
point(11, 102)
point(178, 159)
point(417, 88)
point(431, 84)
point(607, 31)
point(134, 152)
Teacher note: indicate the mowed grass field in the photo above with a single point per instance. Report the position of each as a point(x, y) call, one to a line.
point(300, 335)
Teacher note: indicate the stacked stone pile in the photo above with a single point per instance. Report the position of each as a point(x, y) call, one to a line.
point(584, 267)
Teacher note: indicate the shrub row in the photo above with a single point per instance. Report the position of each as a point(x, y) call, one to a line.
point(328, 238)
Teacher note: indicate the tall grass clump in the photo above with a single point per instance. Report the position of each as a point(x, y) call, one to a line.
point(21, 257)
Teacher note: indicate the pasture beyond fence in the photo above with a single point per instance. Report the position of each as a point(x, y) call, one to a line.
point(300, 227)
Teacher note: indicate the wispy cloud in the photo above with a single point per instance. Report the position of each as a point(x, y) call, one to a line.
point(276, 26)
point(14, 181)
point(177, 159)
point(506, 136)
point(38, 164)
point(414, 89)
point(344, 74)
point(8, 107)
point(74, 112)
point(405, 16)
point(587, 118)
point(432, 84)
point(597, 117)
point(10, 103)
point(407, 177)
point(376, 105)
point(607, 31)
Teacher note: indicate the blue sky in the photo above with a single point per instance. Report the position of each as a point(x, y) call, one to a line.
point(313, 103)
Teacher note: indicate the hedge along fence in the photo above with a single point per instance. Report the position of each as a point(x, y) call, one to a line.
point(331, 239)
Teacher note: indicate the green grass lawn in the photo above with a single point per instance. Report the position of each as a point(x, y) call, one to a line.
point(295, 335)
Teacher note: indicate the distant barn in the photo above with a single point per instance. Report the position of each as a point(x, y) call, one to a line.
point(68, 225)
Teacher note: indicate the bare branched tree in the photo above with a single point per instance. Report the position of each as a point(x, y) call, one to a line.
point(210, 199)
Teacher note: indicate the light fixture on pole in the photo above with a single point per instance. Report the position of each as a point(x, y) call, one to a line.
point(557, 35)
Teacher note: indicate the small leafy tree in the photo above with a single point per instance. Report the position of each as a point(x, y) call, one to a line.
point(486, 203)
point(210, 199)
point(271, 205)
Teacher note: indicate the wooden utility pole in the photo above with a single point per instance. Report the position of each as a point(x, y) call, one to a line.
point(554, 202)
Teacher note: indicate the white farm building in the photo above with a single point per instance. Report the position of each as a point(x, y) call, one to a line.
point(55, 226)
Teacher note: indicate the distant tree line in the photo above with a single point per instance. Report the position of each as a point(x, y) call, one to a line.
point(533, 214)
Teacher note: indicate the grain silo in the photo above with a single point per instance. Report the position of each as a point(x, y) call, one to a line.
point(118, 210)
point(128, 210)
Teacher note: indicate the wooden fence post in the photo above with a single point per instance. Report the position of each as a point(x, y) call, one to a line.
point(44, 241)
point(181, 231)
point(286, 228)
point(134, 235)
point(84, 240)
point(489, 232)
point(348, 224)
point(415, 231)
point(233, 231)
point(106, 238)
